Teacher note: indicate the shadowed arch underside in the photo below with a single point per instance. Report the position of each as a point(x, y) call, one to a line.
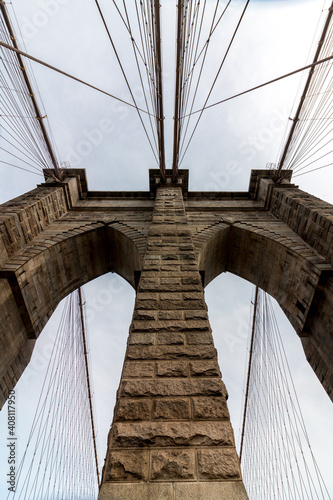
point(53, 250)
point(285, 267)
point(285, 249)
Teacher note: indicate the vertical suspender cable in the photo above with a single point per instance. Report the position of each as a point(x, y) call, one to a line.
point(178, 90)
point(249, 370)
point(303, 96)
point(88, 381)
point(158, 73)
point(30, 90)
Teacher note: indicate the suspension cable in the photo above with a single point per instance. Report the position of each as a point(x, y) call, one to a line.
point(158, 73)
point(277, 458)
point(58, 461)
point(286, 75)
point(83, 331)
point(30, 89)
point(304, 93)
point(64, 73)
point(124, 75)
point(216, 77)
point(176, 133)
point(255, 307)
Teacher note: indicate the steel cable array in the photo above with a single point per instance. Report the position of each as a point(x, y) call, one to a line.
point(190, 51)
point(308, 146)
point(59, 459)
point(26, 139)
point(146, 46)
point(276, 456)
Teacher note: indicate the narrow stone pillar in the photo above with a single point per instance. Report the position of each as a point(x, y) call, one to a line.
point(171, 437)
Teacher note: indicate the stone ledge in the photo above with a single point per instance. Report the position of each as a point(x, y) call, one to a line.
point(171, 434)
point(231, 490)
point(146, 388)
point(213, 491)
point(135, 352)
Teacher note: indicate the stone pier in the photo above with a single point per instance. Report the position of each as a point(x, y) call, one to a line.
point(171, 436)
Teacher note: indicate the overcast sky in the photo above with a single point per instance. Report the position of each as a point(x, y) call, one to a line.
point(233, 138)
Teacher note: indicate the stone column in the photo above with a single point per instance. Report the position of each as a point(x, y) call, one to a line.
point(171, 436)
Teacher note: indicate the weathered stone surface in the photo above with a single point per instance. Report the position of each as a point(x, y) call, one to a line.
point(173, 465)
point(204, 337)
point(218, 464)
point(169, 281)
point(192, 280)
point(171, 352)
point(231, 490)
point(146, 296)
point(172, 409)
point(137, 434)
point(177, 315)
point(127, 465)
point(199, 314)
point(210, 408)
point(181, 305)
point(141, 339)
point(193, 296)
point(170, 325)
point(170, 296)
point(128, 409)
point(172, 369)
point(170, 338)
point(136, 491)
point(145, 315)
point(181, 490)
point(140, 369)
point(204, 369)
point(170, 267)
point(172, 387)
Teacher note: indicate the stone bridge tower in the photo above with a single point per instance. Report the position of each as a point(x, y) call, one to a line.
point(171, 436)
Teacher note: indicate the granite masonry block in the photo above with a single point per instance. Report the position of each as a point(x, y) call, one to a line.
point(133, 409)
point(171, 352)
point(204, 369)
point(139, 369)
point(218, 464)
point(172, 387)
point(127, 465)
point(165, 434)
point(173, 465)
point(172, 369)
point(210, 408)
point(172, 409)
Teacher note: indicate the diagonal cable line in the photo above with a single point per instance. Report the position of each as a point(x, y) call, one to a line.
point(30, 90)
point(188, 116)
point(64, 73)
point(305, 90)
point(215, 79)
point(286, 75)
point(125, 77)
point(277, 459)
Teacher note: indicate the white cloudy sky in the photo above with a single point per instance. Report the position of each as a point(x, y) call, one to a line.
point(275, 38)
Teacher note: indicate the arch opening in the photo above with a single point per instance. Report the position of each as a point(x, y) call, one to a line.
point(283, 270)
point(289, 270)
point(47, 273)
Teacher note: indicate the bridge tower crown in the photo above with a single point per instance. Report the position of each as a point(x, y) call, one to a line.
point(171, 435)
